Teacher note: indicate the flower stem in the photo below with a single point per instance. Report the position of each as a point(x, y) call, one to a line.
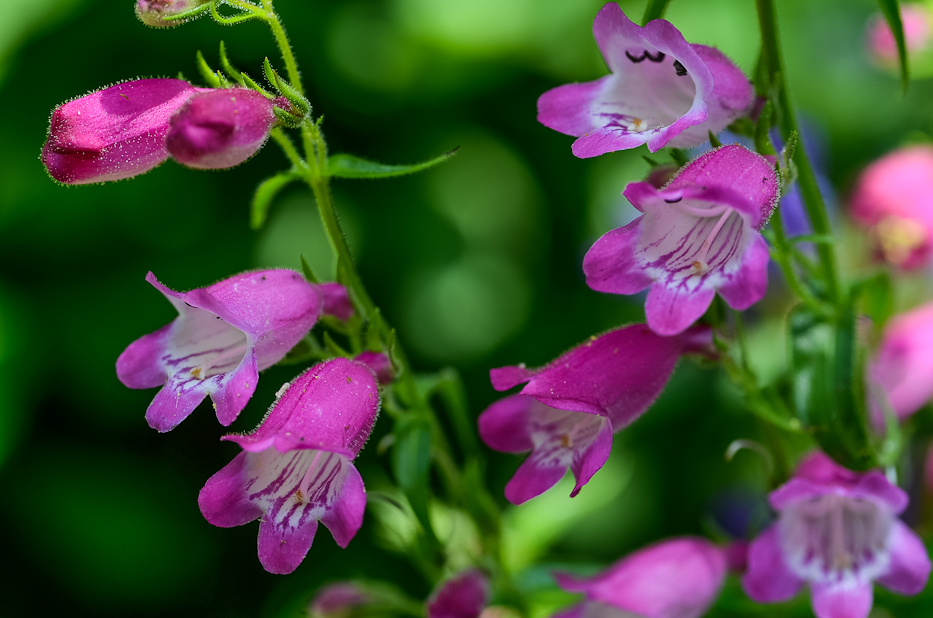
point(812, 198)
point(278, 31)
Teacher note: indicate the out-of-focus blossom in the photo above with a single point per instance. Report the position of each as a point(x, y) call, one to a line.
point(338, 600)
point(917, 21)
point(662, 91)
point(224, 335)
point(678, 578)
point(893, 198)
point(463, 596)
point(838, 531)
point(114, 133)
point(379, 363)
point(568, 410)
point(903, 365)
point(162, 13)
point(296, 469)
point(698, 235)
point(221, 128)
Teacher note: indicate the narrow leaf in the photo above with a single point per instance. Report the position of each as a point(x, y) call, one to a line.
point(714, 141)
point(206, 72)
point(249, 83)
point(892, 14)
point(411, 461)
point(227, 67)
point(349, 166)
point(654, 10)
point(306, 269)
point(265, 194)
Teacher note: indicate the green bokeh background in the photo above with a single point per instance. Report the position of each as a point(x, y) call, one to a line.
point(476, 262)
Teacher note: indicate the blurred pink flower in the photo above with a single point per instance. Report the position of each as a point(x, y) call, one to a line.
point(893, 198)
point(916, 19)
point(837, 531)
point(464, 595)
point(903, 365)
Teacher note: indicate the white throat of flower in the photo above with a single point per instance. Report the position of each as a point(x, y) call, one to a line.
point(834, 538)
point(700, 263)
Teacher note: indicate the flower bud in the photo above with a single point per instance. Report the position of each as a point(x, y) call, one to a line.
point(161, 13)
point(114, 133)
point(220, 128)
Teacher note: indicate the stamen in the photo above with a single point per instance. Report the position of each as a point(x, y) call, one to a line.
point(700, 263)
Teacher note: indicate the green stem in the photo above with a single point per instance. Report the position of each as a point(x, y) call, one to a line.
point(285, 142)
point(812, 198)
point(278, 31)
point(654, 10)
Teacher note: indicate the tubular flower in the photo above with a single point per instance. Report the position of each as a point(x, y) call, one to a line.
point(161, 13)
point(224, 335)
point(296, 469)
point(904, 363)
point(568, 410)
point(679, 578)
point(698, 235)
point(114, 133)
point(220, 128)
point(838, 531)
point(662, 91)
point(463, 596)
point(893, 198)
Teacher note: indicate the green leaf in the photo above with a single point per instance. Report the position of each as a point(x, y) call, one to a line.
point(306, 269)
point(892, 14)
point(875, 297)
point(827, 369)
point(654, 10)
point(349, 166)
point(679, 156)
point(249, 83)
point(206, 72)
point(411, 462)
point(265, 194)
point(713, 141)
point(227, 67)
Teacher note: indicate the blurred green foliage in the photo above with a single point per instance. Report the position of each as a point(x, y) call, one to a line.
point(477, 262)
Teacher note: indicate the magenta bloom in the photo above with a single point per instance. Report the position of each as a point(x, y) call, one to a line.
point(568, 410)
point(154, 12)
point(220, 128)
point(662, 91)
point(338, 600)
point(893, 198)
point(114, 133)
point(838, 531)
point(698, 235)
point(679, 578)
point(224, 335)
point(463, 596)
point(903, 364)
point(296, 469)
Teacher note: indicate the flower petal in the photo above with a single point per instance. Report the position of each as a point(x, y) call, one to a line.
point(463, 596)
point(567, 108)
point(608, 139)
point(223, 499)
point(671, 309)
point(910, 562)
point(503, 426)
point(139, 365)
point(748, 285)
point(533, 478)
point(611, 264)
point(172, 404)
point(768, 578)
point(282, 547)
point(848, 599)
point(588, 461)
point(235, 388)
point(345, 515)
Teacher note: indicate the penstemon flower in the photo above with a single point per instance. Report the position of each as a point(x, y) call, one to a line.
point(568, 410)
point(903, 364)
point(838, 531)
point(114, 133)
point(464, 595)
point(698, 235)
point(221, 128)
point(662, 91)
point(161, 13)
point(893, 198)
point(296, 468)
point(224, 335)
point(677, 578)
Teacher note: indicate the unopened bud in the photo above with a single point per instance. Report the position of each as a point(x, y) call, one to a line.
point(220, 128)
point(114, 133)
point(161, 13)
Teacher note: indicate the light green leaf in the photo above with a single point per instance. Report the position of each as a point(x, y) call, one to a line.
point(892, 14)
point(349, 166)
point(265, 193)
point(654, 10)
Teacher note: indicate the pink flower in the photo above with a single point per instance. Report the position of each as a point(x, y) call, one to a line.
point(893, 198)
point(160, 13)
point(220, 128)
point(678, 578)
point(296, 469)
point(569, 409)
point(114, 133)
point(916, 20)
point(838, 531)
point(698, 235)
point(224, 335)
point(903, 364)
point(463, 596)
point(661, 91)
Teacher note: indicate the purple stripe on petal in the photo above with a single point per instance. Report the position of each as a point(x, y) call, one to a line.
point(345, 515)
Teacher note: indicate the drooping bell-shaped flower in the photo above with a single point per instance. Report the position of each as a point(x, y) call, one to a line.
point(678, 578)
point(114, 133)
point(464, 595)
point(568, 410)
point(296, 469)
point(662, 91)
point(221, 128)
point(224, 335)
point(163, 13)
point(903, 364)
point(698, 235)
point(837, 531)
point(893, 198)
